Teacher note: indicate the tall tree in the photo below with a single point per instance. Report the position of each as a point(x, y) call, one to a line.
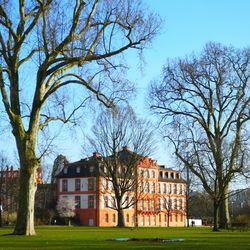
point(204, 102)
point(123, 141)
point(48, 45)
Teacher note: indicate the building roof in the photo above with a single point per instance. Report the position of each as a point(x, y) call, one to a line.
point(90, 166)
point(84, 168)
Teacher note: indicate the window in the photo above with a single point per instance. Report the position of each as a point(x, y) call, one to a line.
point(127, 218)
point(65, 170)
point(165, 188)
point(153, 187)
point(77, 170)
point(181, 217)
point(176, 217)
point(152, 174)
point(166, 175)
point(113, 218)
point(159, 188)
point(106, 201)
point(77, 184)
point(175, 203)
point(180, 203)
point(170, 189)
point(91, 184)
point(153, 205)
point(172, 175)
point(91, 200)
point(91, 169)
point(154, 220)
point(65, 185)
point(133, 219)
point(77, 201)
point(141, 205)
point(160, 174)
point(175, 188)
point(147, 205)
point(159, 203)
point(106, 218)
point(142, 221)
point(159, 218)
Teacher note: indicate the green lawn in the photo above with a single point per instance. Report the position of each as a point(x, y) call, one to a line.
point(62, 237)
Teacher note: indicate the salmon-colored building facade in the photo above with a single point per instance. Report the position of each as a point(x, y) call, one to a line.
point(161, 202)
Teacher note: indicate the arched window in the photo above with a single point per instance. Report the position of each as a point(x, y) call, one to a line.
point(147, 205)
point(175, 188)
point(152, 174)
point(142, 221)
point(166, 175)
point(154, 220)
point(106, 218)
point(127, 218)
point(113, 218)
point(153, 205)
point(180, 204)
point(175, 203)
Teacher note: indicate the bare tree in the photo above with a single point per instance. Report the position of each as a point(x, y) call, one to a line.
point(45, 46)
point(122, 140)
point(204, 103)
point(66, 208)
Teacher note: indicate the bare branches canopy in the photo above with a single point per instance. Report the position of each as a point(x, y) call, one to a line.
point(203, 101)
point(48, 45)
point(123, 140)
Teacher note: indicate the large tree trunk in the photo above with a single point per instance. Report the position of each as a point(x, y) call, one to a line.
point(121, 222)
point(216, 217)
point(28, 186)
point(224, 212)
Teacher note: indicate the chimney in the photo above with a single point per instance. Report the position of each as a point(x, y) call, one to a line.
point(126, 148)
point(96, 154)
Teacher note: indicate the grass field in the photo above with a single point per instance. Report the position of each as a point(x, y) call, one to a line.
point(62, 237)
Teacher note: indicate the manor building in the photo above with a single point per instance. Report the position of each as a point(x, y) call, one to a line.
point(159, 198)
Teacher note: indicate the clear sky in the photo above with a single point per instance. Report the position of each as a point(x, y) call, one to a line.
point(187, 26)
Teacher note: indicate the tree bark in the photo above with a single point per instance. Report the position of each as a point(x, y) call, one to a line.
point(224, 212)
point(26, 200)
point(121, 222)
point(216, 217)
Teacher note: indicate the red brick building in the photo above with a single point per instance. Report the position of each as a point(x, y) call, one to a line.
point(161, 203)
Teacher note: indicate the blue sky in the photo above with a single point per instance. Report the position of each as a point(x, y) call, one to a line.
point(187, 26)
